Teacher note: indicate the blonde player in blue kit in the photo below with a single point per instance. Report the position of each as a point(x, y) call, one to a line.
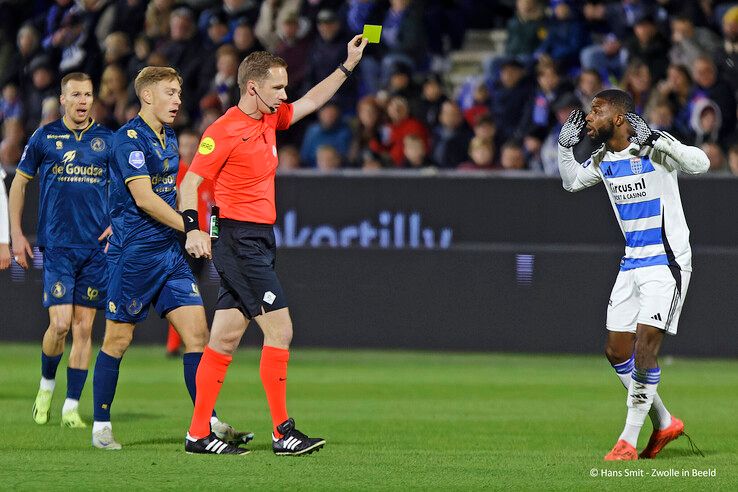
point(639, 169)
point(70, 158)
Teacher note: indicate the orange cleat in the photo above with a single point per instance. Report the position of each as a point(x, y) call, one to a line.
point(622, 451)
point(660, 438)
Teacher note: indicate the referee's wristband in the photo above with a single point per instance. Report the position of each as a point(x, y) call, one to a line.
point(191, 220)
point(345, 70)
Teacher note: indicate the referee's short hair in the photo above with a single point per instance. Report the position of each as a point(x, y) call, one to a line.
point(618, 98)
point(256, 67)
point(151, 75)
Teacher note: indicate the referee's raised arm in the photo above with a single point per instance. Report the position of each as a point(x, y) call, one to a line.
point(324, 90)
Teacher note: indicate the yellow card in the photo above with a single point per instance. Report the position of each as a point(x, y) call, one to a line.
point(372, 33)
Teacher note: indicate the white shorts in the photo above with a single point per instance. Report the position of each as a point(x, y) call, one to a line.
point(651, 296)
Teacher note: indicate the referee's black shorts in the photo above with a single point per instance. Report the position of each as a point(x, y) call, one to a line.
point(244, 256)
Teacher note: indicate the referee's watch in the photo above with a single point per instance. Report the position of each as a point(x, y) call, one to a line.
point(345, 70)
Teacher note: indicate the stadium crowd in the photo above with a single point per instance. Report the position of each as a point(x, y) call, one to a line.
point(677, 58)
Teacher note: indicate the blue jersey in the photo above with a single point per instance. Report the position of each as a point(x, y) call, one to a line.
point(72, 166)
point(141, 153)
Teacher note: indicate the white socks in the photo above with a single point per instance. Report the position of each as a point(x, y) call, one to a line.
point(47, 384)
point(98, 426)
point(641, 393)
point(69, 405)
point(660, 416)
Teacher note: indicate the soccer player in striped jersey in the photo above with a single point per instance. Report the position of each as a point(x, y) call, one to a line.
point(639, 169)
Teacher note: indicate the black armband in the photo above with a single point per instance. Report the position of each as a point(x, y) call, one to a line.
point(345, 70)
point(191, 220)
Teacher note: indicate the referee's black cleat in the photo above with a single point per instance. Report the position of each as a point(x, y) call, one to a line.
point(211, 445)
point(293, 442)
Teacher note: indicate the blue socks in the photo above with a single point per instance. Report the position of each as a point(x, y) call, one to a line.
point(191, 360)
point(75, 382)
point(49, 365)
point(104, 382)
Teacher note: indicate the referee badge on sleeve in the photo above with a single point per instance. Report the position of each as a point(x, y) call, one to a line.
point(136, 159)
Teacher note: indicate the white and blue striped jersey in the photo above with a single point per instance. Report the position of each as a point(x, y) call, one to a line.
point(643, 190)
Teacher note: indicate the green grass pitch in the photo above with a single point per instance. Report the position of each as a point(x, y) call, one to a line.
point(393, 420)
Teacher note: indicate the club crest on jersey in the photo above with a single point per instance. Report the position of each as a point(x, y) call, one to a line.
point(136, 159)
point(636, 165)
point(134, 307)
point(69, 156)
point(97, 144)
point(58, 290)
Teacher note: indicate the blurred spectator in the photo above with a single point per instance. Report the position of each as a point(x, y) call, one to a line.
point(54, 32)
point(637, 82)
point(416, 155)
point(451, 137)
point(366, 134)
point(16, 70)
point(486, 129)
point(566, 35)
point(550, 86)
point(181, 51)
point(225, 82)
point(10, 104)
point(648, 45)
point(589, 83)
point(509, 96)
point(294, 46)
point(42, 80)
point(327, 52)
point(676, 90)
point(330, 130)
point(217, 32)
point(448, 21)
point(50, 110)
point(715, 155)
point(733, 159)
point(708, 85)
point(705, 122)
point(526, 30)
point(11, 146)
point(327, 158)
point(113, 95)
point(727, 55)
point(244, 39)
point(532, 146)
point(401, 124)
point(272, 16)
point(607, 57)
point(236, 11)
point(141, 53)
point(127, 16)
point(157, 19)
point(75, 46)
point(117, 49)
point(372, 161)
point(401, 84)
point(689, 42)
point(512, 155)
point(482, 156)
point(208, 117)
point(480, 107)
point(289, 158)
point(431, 99)
point(661, 116)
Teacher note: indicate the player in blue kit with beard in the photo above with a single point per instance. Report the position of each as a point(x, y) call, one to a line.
point(146, 263)
point(70, 158)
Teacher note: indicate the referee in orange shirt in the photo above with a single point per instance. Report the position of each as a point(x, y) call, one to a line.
point(239, 152)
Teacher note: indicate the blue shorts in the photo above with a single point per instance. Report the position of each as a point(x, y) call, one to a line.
point(75, 276)
point(140, 278)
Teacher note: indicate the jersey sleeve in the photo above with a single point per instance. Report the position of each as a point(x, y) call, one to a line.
point(576, 176)
point(212, 153)
point(129, 157)
point(32, 156)
point(284, 116)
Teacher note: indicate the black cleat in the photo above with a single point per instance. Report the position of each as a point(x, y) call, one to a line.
point(293, 442)
point(211, 445)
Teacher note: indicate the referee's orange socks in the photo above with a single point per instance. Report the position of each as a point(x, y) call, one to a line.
point(210, 376)
point(273, 372)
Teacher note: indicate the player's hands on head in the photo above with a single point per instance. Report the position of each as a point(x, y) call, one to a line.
point(642, 133)
point(21, 246)
point(573, 130)
point(4, 256)
point(198, 244)
point(355, 51)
